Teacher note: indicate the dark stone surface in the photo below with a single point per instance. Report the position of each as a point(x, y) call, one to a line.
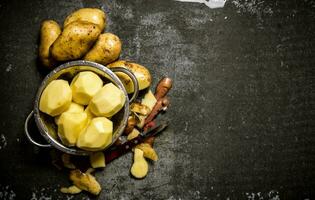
point(242, 105)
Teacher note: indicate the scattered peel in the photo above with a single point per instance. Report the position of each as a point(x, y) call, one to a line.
point(70, 190)
point(85, 181)
point(140, 108)
point(140, 120)
point(134, 133)
point(148, 151)
point(130, 124)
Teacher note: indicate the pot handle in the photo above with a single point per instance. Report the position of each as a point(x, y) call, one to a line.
point(132, 77)
point(29, 137)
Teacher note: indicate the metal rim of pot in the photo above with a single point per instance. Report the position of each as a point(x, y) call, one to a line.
point(52, 142)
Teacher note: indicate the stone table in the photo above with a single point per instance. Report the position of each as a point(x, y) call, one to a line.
point(242, 113)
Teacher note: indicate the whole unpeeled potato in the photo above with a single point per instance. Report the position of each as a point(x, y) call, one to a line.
point(75, 40)
point(49, 32)
point(106, 49)
point(142, 74)
point(92, 15)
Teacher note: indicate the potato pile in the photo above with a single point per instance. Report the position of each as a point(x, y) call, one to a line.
point(82, 37)
point(81, 30)
point(78, 108)
point(88, 127)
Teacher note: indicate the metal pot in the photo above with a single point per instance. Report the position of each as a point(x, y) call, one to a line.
point(45, 124)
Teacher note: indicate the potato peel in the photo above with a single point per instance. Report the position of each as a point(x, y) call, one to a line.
point(140, 108)
point(148, 151)
point(85, 181)
point(70, 190)
point(134, 133)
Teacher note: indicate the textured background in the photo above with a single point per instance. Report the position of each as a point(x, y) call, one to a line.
point(242, 104)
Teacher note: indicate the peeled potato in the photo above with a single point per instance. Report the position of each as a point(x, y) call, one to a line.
point(56, 98)
point(92, 15)
point(69, 127)
point(49, 32)
point(97, 135)
point(85, 181)
point(106, 49)
point(142, 74)
point(107, 101)
point(84, 86)
point(73, 108)
point(89, 114)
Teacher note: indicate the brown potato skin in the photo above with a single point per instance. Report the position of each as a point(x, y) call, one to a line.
point(142, 74)
point(49, 32)
point(75, 41)
point(106, 49)
point(92, 15)
point(85, 181)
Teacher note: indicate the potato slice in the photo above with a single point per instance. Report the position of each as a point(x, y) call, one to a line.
point(149, 100)
point(97, 160)
point(56, 98)
point(107, 101)
point(84, 86)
